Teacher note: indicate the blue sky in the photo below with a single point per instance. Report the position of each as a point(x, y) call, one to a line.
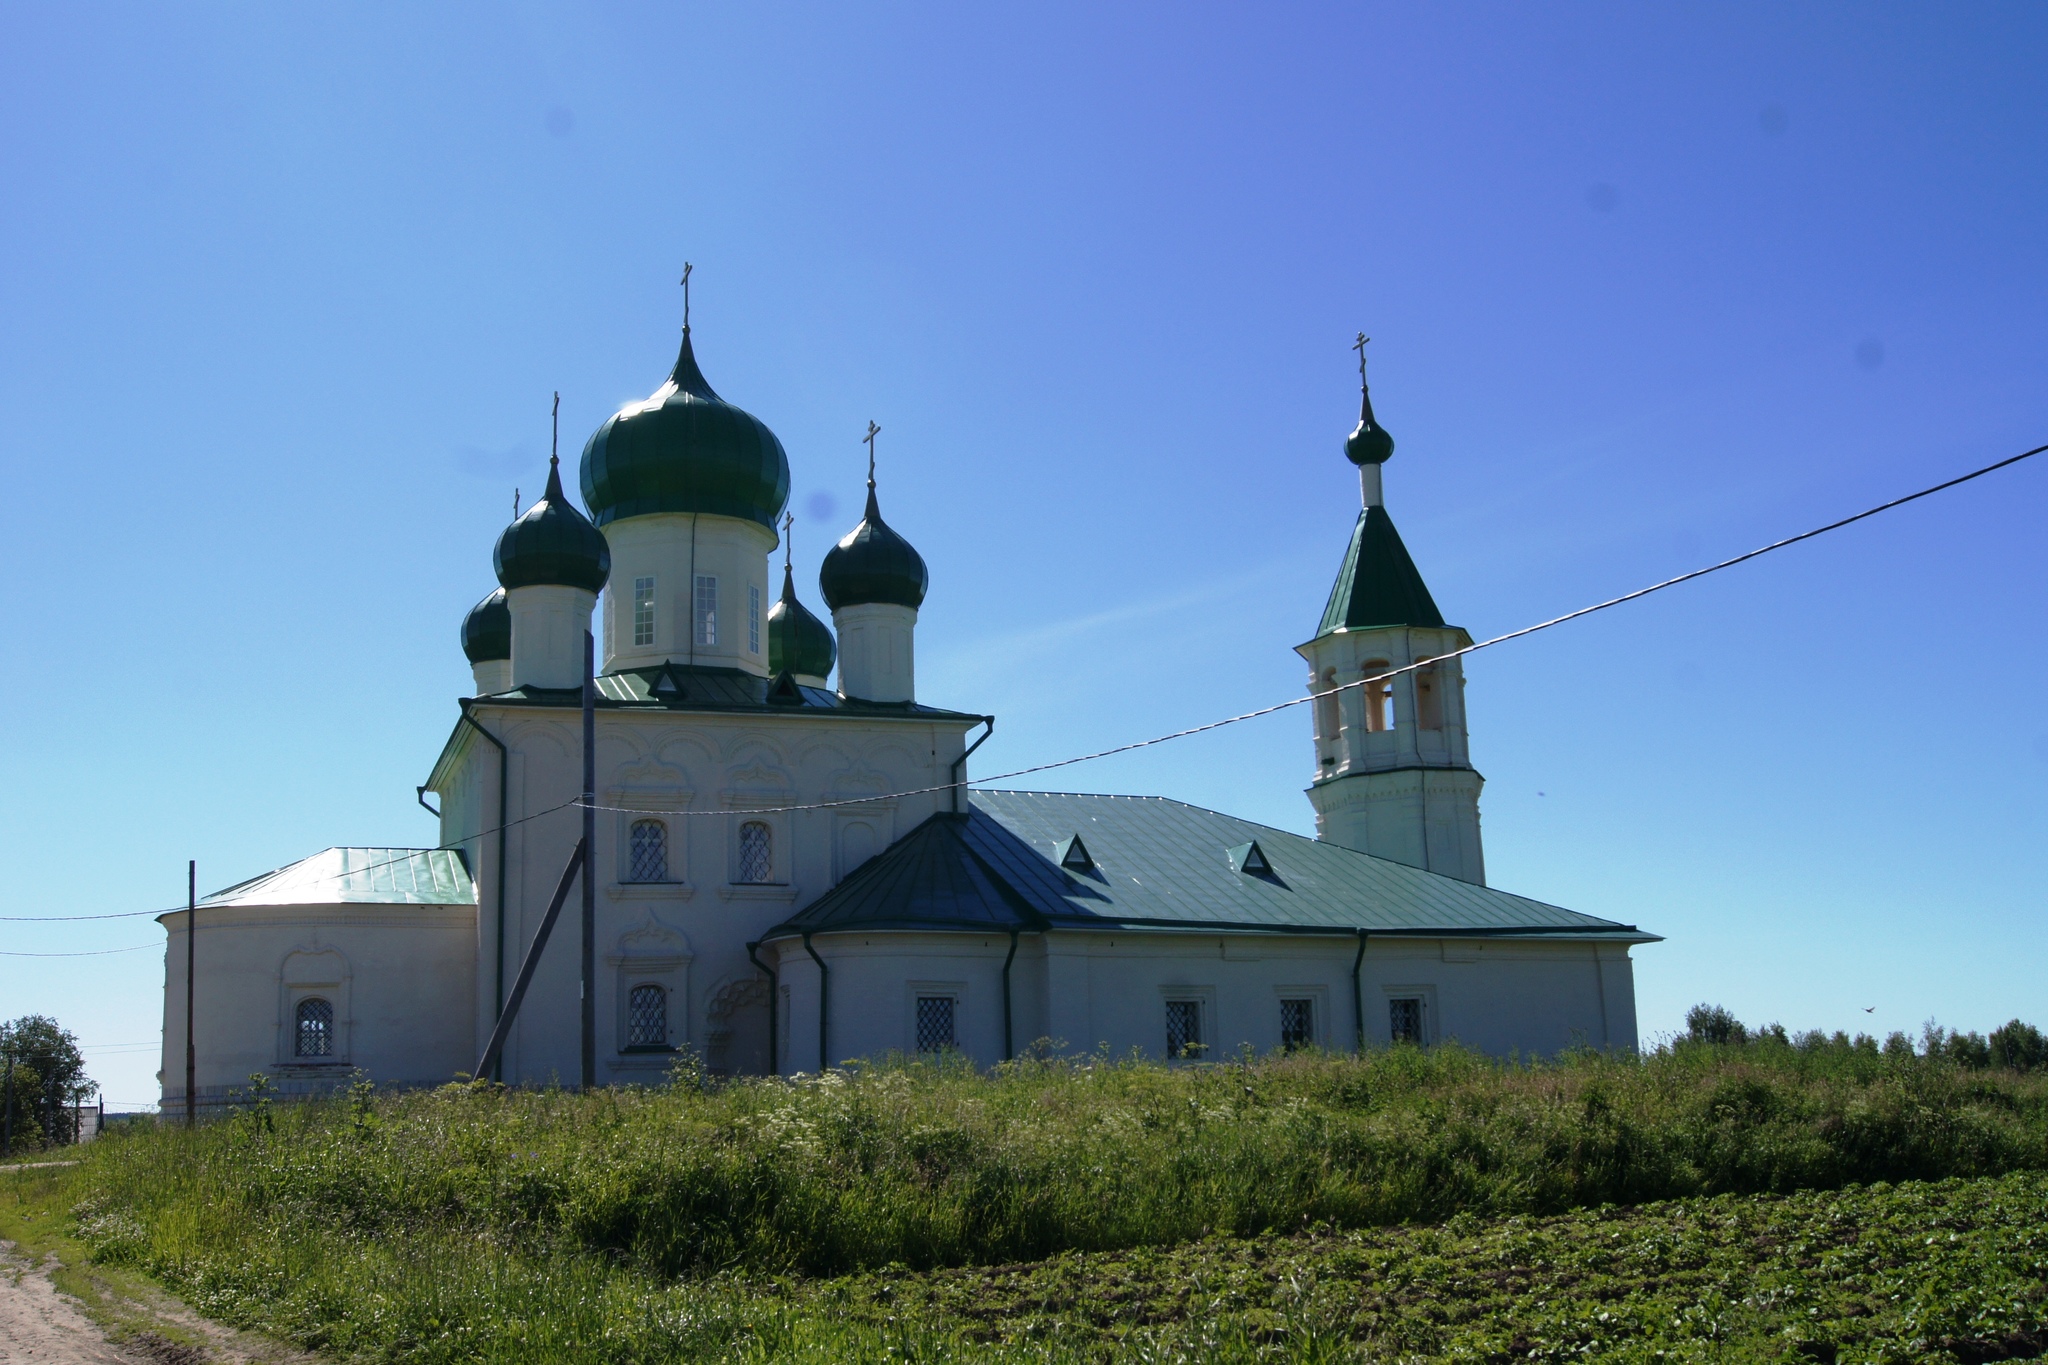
point(286, 290)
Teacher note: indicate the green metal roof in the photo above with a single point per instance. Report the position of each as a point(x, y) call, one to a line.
point(552, 543)
point(487, 630)
point(359, 876)
point(1164, 865)
point(685, 449)
point(872, 563)
point(1378, 584)
point(798, 642)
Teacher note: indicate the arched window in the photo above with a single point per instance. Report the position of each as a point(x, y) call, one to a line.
point(1379, 696)
point(1329, 721)
point(315, 1029)
point(647, 852)
point(1429, 701)
point(757, 852)
point(647, 1016)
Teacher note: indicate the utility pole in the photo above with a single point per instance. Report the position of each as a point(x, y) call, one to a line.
point(7, 1124)
point(191, 935)
point(589, 849)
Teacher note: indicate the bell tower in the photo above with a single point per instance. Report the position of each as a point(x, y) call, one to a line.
point(1393, 773)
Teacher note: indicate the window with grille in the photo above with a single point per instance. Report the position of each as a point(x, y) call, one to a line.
point(707, 609)
point(643, 611)
point(753, 619)
point(647, 852)
point(757, 852)
point(1297, 1023)
point(1405, 1020)
point(1183, 1028)
point(315, 1029)
point(647, 1016)
point(935, 1023)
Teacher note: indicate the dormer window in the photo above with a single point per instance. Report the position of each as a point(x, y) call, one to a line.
point(1250, 859)
point(1072, 854)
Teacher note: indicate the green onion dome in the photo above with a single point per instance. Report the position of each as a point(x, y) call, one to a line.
point(798, 642)
point(685, 450)
point(1369, 442)
point(487, 630)
point(553, 543)
point(873, 564)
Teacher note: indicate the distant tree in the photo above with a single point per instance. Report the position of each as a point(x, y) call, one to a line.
point(2019, 1046)
point(1713, 1024)
point(49, 1077)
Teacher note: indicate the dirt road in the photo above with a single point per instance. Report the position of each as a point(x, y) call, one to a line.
point(39, 1326)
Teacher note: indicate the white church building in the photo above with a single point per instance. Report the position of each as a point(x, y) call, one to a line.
point(787, 872)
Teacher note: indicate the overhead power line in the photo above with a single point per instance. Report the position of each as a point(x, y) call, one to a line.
point(1389, 673)
point(1134, 745)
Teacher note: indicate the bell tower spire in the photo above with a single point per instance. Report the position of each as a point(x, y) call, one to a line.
point(1393, 774)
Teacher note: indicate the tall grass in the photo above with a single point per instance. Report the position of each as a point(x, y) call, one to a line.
point(930, 1164)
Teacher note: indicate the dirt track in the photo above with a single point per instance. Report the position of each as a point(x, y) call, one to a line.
point(39, 1326)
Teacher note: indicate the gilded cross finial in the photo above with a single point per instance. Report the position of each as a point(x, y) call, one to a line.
point(687, 268)
point(555, 435)
point(788, 520)
point(873, 431)
point(515, 504)
point(1359, 346)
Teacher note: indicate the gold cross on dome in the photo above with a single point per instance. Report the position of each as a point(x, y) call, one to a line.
point(788, 520)
point(1359, 346)
point(687, 268)
point(873, 431)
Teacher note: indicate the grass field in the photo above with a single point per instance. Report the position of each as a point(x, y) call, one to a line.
point(1754, 1201)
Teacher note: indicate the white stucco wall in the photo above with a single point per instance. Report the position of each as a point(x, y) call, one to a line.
point(703, 776)
point(401, 979)
point(1091, 990)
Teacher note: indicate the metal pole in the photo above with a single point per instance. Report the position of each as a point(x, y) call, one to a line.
point(7, 1137)
point(191, 934)
point(589, 850)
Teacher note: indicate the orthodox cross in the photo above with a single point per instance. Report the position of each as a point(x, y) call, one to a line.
point(555, 435)
point(788, 520)
point(873, 431)
point(1359, 346)
point(687, 268)
point(515, 504)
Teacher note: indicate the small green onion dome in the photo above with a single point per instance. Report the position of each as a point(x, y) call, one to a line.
point(1369, 442)
point(553, 543)
point(873, 564)
point(685, 449)
point(487, 630)
point(798, 642)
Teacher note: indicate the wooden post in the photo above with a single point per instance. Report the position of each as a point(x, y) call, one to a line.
point(191, 934)
point(589, 859)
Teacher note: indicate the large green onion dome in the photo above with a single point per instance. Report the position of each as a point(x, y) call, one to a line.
point(553, 543)
point(487, 630)
point(798, 642)
point(1369, 442)
point(873, 564)
point(685, 450)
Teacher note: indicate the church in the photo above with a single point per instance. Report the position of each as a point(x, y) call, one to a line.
point(788, 870)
